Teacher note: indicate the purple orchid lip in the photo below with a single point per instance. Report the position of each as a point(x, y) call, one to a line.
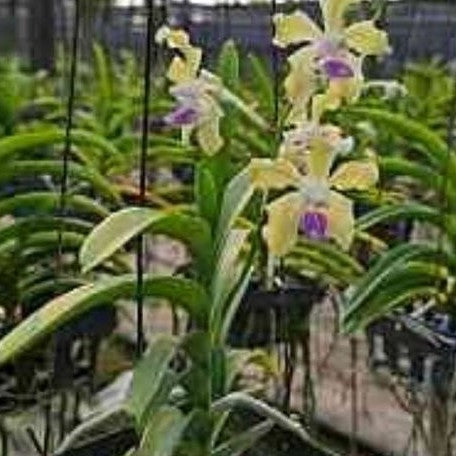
point(181, 116)
point(314, 225)
point(337, 68)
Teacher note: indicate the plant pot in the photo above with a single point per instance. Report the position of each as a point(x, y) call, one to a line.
point(73, 356)
point(275, 316)
point(413, 348)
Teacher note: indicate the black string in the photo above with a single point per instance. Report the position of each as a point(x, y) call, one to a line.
point(68, 128)
point(143, 178)
point(275, 67)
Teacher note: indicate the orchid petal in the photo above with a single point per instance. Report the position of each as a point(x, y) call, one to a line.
point(341, 222)
point(185, 66)
point(333, 13)
point(181, 116)
point(174, 39)
point(295, 28)
point(314, 224)
point(208, 135)
point(336, 68)
point(185, 69)
point(323, 102)
point(301, 83)
point(277, 174)
point(319, 162)
point(294, 147)
point(323, 152)
point(355, 175)
point(366, 39)
point(281, 231)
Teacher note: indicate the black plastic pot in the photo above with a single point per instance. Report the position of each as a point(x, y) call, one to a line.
point(415, 349)
point(276, 316)
point(73, 358)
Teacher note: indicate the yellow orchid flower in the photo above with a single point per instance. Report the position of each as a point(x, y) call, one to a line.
point(335, 52)
point(314, 207)
point(198, 110)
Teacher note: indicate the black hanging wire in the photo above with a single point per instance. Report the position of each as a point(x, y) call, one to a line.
point(69, 127)
point(45, 448)
point(275, 69)
point(140, 341)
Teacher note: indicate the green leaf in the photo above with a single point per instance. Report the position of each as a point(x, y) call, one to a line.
point(182, 292)
point(228, 271)
point(435, 148)
point(10, 146)
point(233, 303)
point(262, 84)
point(23, 168)
point(387, 265)
point(123, 226)
point(206, 194)
point(163, 433)
point(148, 378)
point(425, 175)
point(244, 441)
point(23, 227)
point(41, 203)
point(49, 288)
point(197, 345)
point(408, 211)
point(228, 65)
point(325, 257)
point(102, 78)
point(237, 194)
point(404, 284)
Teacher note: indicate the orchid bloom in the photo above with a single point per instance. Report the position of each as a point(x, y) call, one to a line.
point(315, 208)
point(335, 52)
point(194, 90)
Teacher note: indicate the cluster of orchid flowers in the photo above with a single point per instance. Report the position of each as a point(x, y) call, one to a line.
point(196, 91)
point(325, 71)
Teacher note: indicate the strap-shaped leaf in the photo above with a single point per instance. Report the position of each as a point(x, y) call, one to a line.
point(206, 194)
point(10, 146)
point(123, 226)
point(409, 281)
point(237, 194)
point(184, 293)
point(228, 271)
point(228, 65)
point(409, 211)
point(23, 168)
point(383, 271)
point(149, 378)
point(25, 226)
point(41, 203)
point(163, 433)
point(435, 149)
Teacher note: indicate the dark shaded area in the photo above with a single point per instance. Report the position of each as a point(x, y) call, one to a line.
point(419, 30)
